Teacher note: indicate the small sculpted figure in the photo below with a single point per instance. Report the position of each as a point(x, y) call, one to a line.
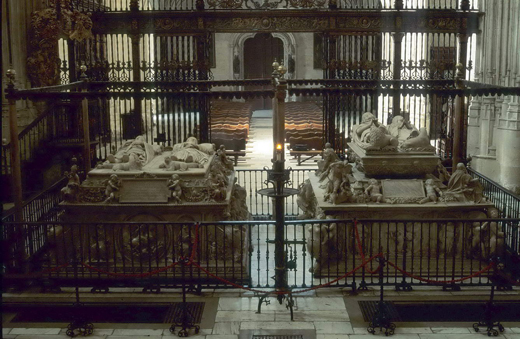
point(174, 185)
point(329, 157)
point(112, 187)
point(442, 173)
point(69, 192)
point(431, 192)
point(228, 165)
point(374, 191)
point(217, 186)
point(358, 193)
point(463, 187)
point(337, 189)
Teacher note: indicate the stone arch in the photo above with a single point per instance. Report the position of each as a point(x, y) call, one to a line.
point(289, 49)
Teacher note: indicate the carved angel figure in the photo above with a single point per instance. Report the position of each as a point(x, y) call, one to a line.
point(431, 192)
point(374, 191)
point(174, 185)
point(69, 193)
point(328, 158)
point(113, 185)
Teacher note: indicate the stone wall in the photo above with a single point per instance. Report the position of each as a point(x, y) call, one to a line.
point(494, 122)
point(19, 23)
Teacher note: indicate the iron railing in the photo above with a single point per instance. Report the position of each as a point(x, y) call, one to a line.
point(42, 206)
point(442, 252)
point(260, 206)
point(506, 201)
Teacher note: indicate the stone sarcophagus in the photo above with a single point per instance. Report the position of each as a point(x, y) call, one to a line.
point(141, 208)
point(394, 179)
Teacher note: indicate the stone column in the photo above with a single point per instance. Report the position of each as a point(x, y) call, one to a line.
point(473, 147)
point(509, 155)
point(487, 111)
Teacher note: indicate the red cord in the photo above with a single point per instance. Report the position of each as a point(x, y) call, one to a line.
point(284, 292)
point(363, 264)
point(358, 241)
point(441, 281)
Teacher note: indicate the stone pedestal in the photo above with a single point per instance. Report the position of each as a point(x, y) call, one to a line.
point(391, 163)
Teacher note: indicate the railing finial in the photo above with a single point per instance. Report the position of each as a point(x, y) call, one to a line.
point(11, 75)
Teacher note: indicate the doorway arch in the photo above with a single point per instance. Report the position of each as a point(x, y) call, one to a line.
point(289, 52)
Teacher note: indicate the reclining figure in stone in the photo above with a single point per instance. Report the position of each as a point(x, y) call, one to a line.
point(133, 155)
point(370, 134)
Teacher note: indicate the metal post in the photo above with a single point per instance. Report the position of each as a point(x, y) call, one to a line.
point(459, 116)
point(16, 175)
point(278, 170)
point(458, 120)
point(78, 320)
point(332, 102)
point(86, 124)
point(187, 320)
point(135, 38)
point(279, 177)
point(381, 317)
point(396, 103)
point(16, 171)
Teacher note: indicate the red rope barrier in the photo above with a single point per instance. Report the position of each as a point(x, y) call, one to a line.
point(487, 268)
point(358, 241)
point(284, 292)
point(137, 275)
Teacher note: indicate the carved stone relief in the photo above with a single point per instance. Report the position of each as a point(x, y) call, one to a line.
point(47, 27)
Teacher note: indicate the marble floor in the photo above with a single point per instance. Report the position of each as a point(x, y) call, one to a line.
point(323, 311)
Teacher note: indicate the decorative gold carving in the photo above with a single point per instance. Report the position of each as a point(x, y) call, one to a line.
point(225, 4)
point(47, 27)
point(444, 23)
point(307, 3)
point(359, 22)
point(269, 23)
point(177, 23)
